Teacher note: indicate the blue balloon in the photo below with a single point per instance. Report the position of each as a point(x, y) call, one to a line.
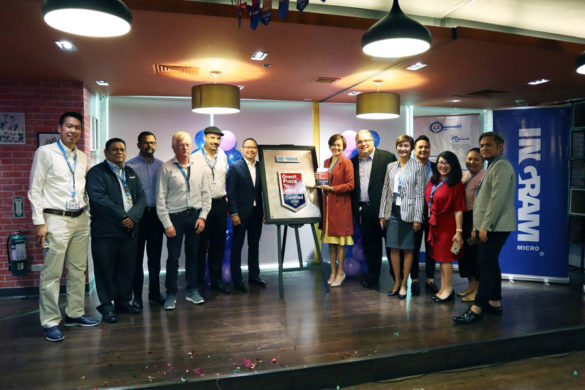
point(233, 156)
point(364, 268)
point(226, 272)
point(354, 153)
point(199, 141)
point(376, 137)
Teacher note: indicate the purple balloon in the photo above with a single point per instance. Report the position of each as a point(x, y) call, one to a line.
point(347, 153)
point(357, 252)
point(228, 141)
point(364, 268)
point(351, 267)
point(349, 136)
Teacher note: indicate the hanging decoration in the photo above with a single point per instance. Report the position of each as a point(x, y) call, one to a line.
point(301, 4)
point(263, 14)
point(282, 8)
point(255, 14)
point(266, 12)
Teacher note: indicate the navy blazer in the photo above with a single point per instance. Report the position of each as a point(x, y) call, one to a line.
point(106, 203)
point(381, 160)
point(241, 191)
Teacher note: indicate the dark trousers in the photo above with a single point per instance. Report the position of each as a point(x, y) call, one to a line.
point(213, 241)
point(468, 265)
point(429, 262)
point(371, 234)
point(114, 263)
point(151, 233)
point(252, 225)
point(185, 227)
point(490, 284)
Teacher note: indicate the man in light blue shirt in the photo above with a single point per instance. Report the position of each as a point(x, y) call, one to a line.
point(151, 230)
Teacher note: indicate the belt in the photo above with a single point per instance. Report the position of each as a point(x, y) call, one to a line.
point(217, 199)
point(184, 212)
point(365, 203)
point(63, 213)
point(150, 209)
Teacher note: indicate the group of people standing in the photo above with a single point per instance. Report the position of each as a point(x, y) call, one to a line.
point(465, 218)
point(131, 205)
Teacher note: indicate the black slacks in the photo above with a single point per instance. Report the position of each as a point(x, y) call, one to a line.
point(184, 227)
point(114, 261)
point(252, 225)
point(468, 265)
point(213, 242)
point(151, 233)
point(371, 234)
point(490, 283)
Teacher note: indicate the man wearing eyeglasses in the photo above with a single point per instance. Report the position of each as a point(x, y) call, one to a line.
point(244, 191)
point(370, 167)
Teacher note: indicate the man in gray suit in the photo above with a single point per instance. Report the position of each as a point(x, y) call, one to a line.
point(494, 217)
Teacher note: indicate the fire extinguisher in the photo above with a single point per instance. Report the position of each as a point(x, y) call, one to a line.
point(16, 248)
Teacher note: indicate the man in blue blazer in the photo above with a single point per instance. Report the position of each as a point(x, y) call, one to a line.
point(117, 202)
point(369, 167)
point(244, 191)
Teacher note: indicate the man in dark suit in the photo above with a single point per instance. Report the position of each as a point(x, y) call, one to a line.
point(117, 203)
point(244, 192)
point(369, 167)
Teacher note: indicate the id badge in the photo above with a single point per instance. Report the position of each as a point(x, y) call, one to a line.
point(129, 200)
point(189, 201)
point(398, 200)
point(72, 205)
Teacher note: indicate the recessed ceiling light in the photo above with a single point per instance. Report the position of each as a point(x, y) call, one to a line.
point(307, 99)
point(65, 45)
point(258, 55)
point(215, 73)
point(541, 81)
point(455, 100)
point(417, 66)
point(241, 87)
point(102, 83)
point(353, 93)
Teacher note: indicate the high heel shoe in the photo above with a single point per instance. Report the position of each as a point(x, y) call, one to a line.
point(392, 293)
point(338, 281)
point(401, 296)
point(450, 298)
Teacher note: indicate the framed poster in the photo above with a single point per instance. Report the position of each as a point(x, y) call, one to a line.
point(12, 130)
point(288, 184)
point(47, 138)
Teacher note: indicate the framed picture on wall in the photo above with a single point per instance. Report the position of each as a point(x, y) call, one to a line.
point(47, 138)
point(288, 184)
point(12, 129)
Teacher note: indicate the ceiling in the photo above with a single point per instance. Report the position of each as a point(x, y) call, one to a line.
point(483, 51)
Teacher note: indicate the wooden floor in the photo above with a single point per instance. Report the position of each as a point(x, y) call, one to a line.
point(256, 340)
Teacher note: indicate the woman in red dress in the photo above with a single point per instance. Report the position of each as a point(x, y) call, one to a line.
point(445, 196)
point(337, 218)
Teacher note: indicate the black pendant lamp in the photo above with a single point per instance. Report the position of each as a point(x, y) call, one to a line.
point(396, 35)
point(580, 64)
point(90, 18)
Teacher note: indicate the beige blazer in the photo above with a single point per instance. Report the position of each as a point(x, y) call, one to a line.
point(494, 209)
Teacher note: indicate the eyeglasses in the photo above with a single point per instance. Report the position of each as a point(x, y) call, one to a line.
point(365, 141)
point(443, 163)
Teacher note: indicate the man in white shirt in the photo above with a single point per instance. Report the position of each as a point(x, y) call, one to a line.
point(213, 161)
point(183, 202)
point(59, 212)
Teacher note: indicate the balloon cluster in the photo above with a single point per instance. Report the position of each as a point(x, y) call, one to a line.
point(228, 145)
point(351, 147)
point(226, 271)
point(355, 258)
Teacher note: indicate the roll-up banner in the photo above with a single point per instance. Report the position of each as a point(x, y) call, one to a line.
point(537, 145)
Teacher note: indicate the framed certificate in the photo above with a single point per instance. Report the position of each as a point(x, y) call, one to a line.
point(288, 184)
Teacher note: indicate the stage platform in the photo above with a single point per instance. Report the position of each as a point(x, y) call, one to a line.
point(308, 340)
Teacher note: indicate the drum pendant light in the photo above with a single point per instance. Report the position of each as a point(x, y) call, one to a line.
point(580, 64)
point(396, 35)
point(377, 105)
point(215, 99)
point(90, 18)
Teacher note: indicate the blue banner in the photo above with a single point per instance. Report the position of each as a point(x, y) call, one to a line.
point(537, 145)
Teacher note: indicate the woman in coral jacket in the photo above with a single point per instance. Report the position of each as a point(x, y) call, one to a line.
point(337, 218)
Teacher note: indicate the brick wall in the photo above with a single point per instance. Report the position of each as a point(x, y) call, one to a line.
point(42, 102)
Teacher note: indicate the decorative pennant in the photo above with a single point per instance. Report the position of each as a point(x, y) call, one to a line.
point(255, 14)
point(266, 12)
point(282, 8)
point(301, 4)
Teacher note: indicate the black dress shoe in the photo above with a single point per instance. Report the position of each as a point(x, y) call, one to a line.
point(450, 298)
point(222, 288)
point(469, 317)
point(257, 282)
point(109, 317)
point(415, 288)
point(137, 303)
point(156, 298)
point(431, 287)
point(369, 285)
point(241, 287)
point(130, 309)
point(495, 310)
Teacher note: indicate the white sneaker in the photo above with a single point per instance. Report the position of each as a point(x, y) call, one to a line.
point(195, 297)
point(170, 302)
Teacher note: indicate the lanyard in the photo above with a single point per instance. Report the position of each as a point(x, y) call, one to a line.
point(435, 188)
point(71, 169)
point(122, 177)
point(428, 170)
point(212, 167)
point(333, 166)
point(470, 177)
point(488, 168)
point(186, 176)
point(399, 178)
